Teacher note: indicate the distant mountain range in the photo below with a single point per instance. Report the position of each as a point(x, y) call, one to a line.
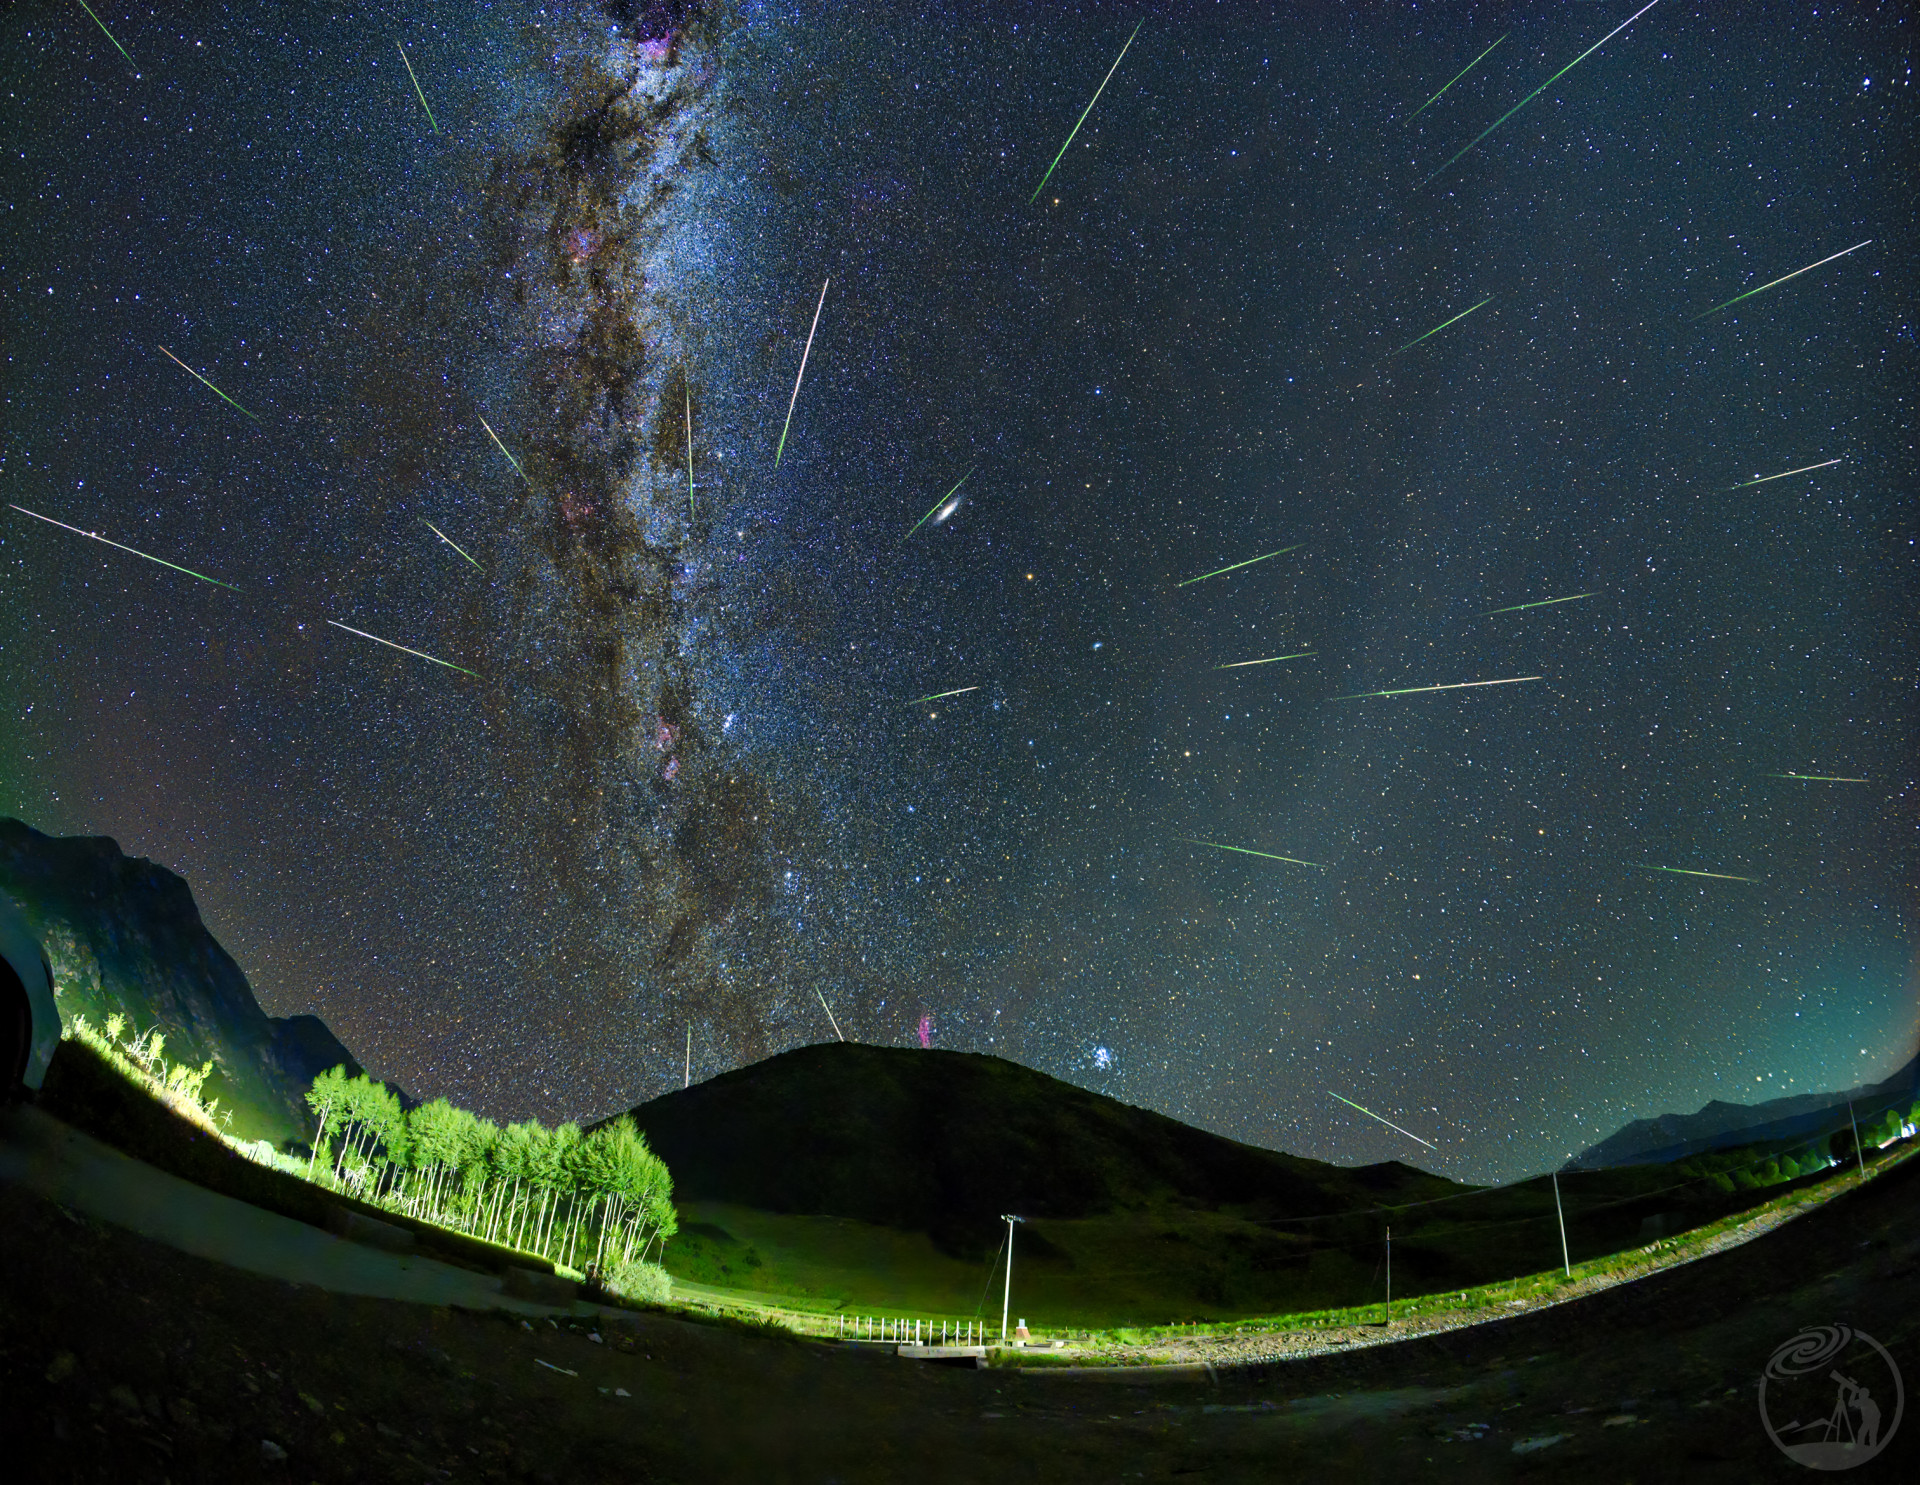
point(1721, 1126)
point(124, 935)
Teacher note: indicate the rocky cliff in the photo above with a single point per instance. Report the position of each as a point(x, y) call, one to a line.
point(124, 935)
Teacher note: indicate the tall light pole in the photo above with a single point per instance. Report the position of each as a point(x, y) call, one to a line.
point(1006, 1295)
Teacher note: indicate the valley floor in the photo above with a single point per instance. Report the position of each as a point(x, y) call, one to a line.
point(125, 1359)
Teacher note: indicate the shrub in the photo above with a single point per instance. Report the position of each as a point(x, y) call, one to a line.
point(647, 1282)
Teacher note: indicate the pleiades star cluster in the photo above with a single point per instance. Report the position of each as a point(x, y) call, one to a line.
point(1284, 565)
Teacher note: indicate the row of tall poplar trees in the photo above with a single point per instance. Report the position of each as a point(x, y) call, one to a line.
point(599, 1201)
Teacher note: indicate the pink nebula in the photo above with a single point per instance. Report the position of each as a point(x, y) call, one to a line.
point(926, 1031)
point(581, 244)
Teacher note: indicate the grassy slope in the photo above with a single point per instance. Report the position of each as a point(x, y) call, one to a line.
point(863, 1179)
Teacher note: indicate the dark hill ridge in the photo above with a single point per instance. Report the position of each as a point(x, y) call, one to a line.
point(942, 1142)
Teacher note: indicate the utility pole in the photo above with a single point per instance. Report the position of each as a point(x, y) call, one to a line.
point(1389, 1276)
point(1858, 1155)
point(686, 1080)
point(1006, 1295)
point(1560, 1212)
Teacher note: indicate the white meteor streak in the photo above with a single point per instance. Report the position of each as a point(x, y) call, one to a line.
point(803, 371)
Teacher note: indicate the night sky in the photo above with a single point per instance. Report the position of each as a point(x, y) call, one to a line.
point(687, 787)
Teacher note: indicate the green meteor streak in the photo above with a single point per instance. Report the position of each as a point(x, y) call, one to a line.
point(942, 695)
point(1455, 686)
point(1815, 778)
point(448, 540)
point(1083, 118)
point(1551, 81)
point(1296, 655)
point(801, 374)
point(1242, 850)
point(1782, 475)
point(1782, 279)
point(1456, 78)
point(1537, 603)
point(1682, 871)
point(416, 88)
point(421, 654)
point(941, 501)
point(1442, 325)
point(504, 449)
point(1388, 1122)
point(204, 382)
point(96, 536)
point(110, 36)
point(1235, 567)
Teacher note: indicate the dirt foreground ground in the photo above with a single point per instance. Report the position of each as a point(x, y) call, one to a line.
point(123, 1358)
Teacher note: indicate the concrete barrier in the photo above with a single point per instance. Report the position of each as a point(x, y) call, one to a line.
point(968, 1356)
point(356, 1227)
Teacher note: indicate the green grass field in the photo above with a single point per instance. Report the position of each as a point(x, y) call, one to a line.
point(809, 1273)
point(1186, 1268)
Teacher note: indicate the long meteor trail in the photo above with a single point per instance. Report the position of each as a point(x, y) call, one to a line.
point(422, 654)
point(1682, 871)
point(1442, 325)
point(942, 695)
point(1235, 567)
point(1237, 664)
point(416, 89)
point(1456, 78)
point(1551, 81)
point(829, 1010)
point(1243, 851)
point(1083, 118)
point(504, 449)
point(204, 382)
point(1782, 474)
point(1782, 279)
point(119, 546)
point(941, 501)
point(109, 35)
point(1514, 608)
point(803, 371)
point(1816, 778)
point(1512, 680)
point(691, 513)
point(1388, 1122)
point(448, 540)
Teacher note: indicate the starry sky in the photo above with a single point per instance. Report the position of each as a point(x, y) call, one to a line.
point(679, 802)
